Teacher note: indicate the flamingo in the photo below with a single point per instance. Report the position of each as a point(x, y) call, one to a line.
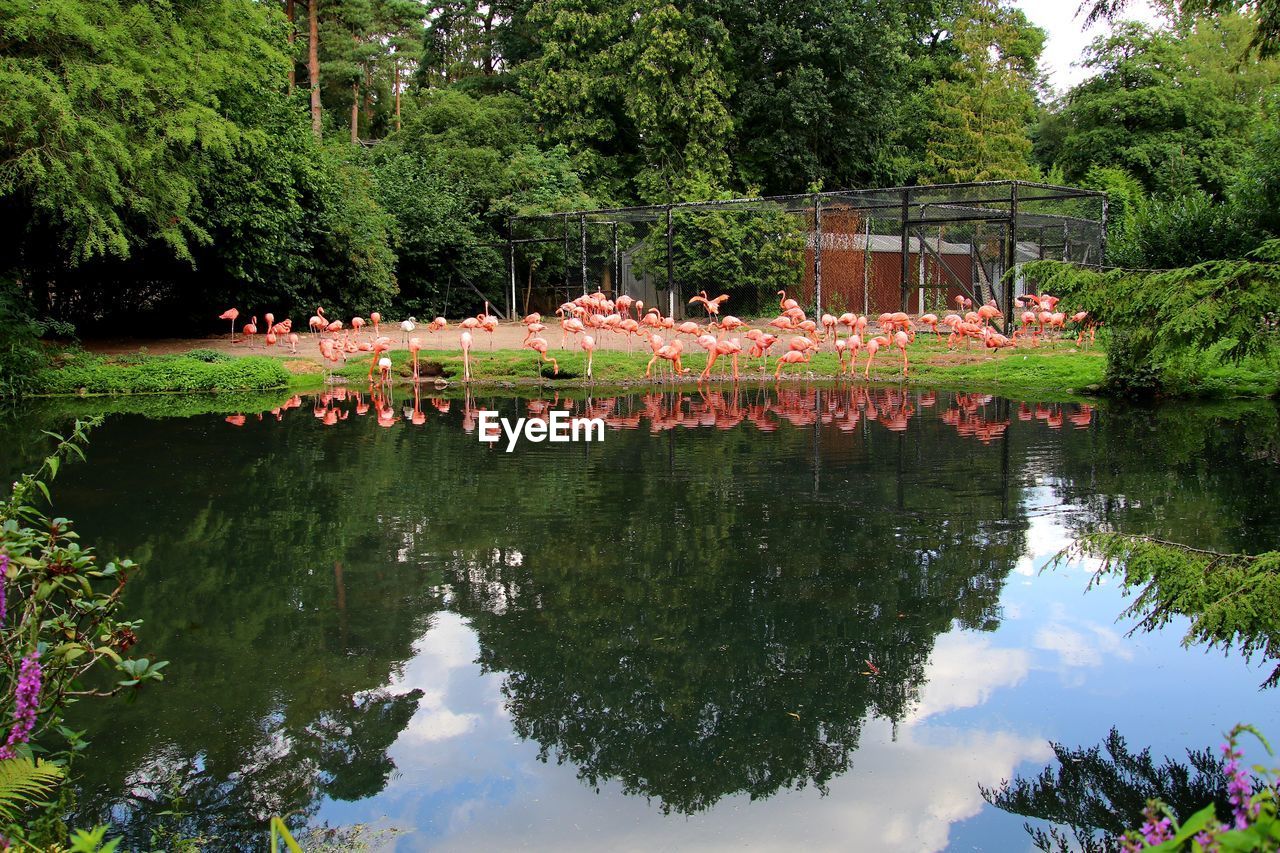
point(317, 322)
point(589, 347)
point(539, 345)
point(465, 341)
point(873, 346)
point(439, 324)
point(357, 323)
point(829, 325)
point(250, 329)
point(293, 342)
point(900, 340)
point(414, 346)
point(376, 319)
point(380, 345)
point(407, 326)
point(712, 305)
point(231, 314)
point(791, 357)
point(931, 320)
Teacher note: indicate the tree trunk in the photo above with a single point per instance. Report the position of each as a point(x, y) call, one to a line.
point(396, 60)
point(488, 40)
point(368, 99)
point(313, 62)
point(355, 112)
point(293, 38)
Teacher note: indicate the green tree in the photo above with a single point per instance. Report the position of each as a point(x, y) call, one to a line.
point(638, 90)
point(1174, 107)
point(976, 115)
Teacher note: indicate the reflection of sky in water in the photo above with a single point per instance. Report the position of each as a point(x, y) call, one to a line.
point(1059, 667)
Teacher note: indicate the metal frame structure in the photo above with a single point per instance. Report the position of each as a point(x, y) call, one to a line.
point(1014, 221)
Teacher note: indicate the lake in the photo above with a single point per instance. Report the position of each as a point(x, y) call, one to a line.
point(810, 617)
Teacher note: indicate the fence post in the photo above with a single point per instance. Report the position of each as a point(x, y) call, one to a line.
point(906, 249)
point(564, 220)
point(582, 229)
point(1102, 250)
point(617, 267)
point(817, 254)
point(1011, 261)
point(511, 264)
point(671, 281)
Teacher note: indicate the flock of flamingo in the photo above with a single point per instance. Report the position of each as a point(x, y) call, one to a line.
point(970, 415)
point(589, 317)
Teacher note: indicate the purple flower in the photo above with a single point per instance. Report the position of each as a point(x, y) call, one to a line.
point(4, 580)
point(1239, 787)
point(26, 702)
point(1208, 840)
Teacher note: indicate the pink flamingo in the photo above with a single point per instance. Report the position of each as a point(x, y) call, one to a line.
point(791, 357)
point(376, 319)
point(588, 346)
point(873, 347)
point(231, 314)
point(250, 329)
point(414, 346)
point(465, 341)
point(900, 340)
point(539, 345)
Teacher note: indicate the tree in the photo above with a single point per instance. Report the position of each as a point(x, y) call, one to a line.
point(818, 90)
point(1265, 40)
point(977, 113)
point(109, 106)
point(1172, 107)
point(638, 90)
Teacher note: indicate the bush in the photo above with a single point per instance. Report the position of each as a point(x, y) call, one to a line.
point(59, 627)
point(86, 374)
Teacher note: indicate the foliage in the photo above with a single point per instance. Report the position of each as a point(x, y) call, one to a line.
point(979, 108)
point(61, 638)
point(1172, 107)
point(1249, 822)
point(748, 254)
point(1100, 791)
point(87, 374)
point(111, 102)
point(23, 782)
point(1231, 600)
point(1227, 309)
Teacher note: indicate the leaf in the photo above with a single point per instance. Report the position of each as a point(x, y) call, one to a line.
point(22, 782)
point(280, 831)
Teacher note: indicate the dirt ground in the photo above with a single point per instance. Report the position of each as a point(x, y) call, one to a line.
point(508, 336)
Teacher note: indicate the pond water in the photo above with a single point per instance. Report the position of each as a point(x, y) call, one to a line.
point(810, 617)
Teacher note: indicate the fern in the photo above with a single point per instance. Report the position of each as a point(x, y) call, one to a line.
point(22, 782)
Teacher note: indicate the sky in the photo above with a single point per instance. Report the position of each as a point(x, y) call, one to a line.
point(1067, 39)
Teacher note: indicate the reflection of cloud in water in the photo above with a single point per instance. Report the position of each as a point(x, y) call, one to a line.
point(470, 787)
point(876, 806)
point(963, 671)
point(1046, 535)
point(1081, 648)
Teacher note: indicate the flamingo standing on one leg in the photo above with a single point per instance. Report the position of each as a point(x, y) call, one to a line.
point(465, 341)
point(231, 314)
point(376, 319)
point(589, 347)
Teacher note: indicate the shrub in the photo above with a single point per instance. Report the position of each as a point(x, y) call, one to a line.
point(155, 374)
point(60, 630)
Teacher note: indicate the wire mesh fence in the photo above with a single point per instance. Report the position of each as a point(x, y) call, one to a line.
point(911, 249)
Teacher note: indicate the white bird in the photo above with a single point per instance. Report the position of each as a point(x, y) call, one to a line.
point(407, 326)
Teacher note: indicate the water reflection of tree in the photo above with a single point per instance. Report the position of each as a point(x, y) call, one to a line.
point(661, 608)
point(715, 642)
point(271, 600)
point(1099, 792)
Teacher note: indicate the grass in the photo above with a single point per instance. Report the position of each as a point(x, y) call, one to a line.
point(1053, 367)
point(1056, 368)
point(198, 371)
